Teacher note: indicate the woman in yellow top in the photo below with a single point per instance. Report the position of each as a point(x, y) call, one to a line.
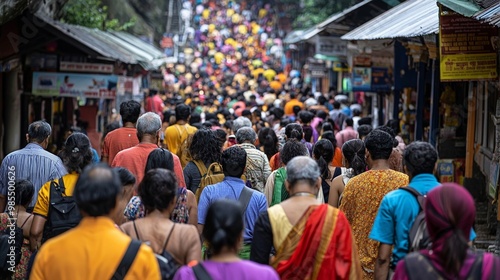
point(76, 154)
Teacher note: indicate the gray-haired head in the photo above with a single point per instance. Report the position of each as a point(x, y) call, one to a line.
point(149, 123)
point(302, 168)
point(246, 134)
point(241, 122)
point(38, 131)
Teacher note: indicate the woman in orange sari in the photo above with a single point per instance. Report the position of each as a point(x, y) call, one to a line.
point(311, 240)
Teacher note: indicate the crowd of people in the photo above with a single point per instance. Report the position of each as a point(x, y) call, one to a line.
point(236, 169)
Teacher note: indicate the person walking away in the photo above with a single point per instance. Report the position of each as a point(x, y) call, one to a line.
point(32, 163)
point(158, 192)
point(312, 240)
point(76, 155)
point(127, 180)
point(276, 191)
point(223, 231)
point(134, 159)
point(204, 149)
point(233, 163)
point(353, 158)
point(292, 103)
point(348, 133)
point(399, 208)
point(23, 192)
point(363, 193)
point(95, 248)
point(177, 133)
point(154, 103)
point(257, 166)
point(449, 213)
point(124, 137)
point(323, 154)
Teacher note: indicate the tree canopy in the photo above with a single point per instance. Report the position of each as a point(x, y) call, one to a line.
point(92, 14)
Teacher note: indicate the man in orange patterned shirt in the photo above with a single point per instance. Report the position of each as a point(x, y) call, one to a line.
point(363, 194)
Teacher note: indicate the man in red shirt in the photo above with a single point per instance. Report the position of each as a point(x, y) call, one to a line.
point(134, 159)
point(124, 137)
point(154, 103)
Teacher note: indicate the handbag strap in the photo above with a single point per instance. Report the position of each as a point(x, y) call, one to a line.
point(245, 196)
point(200, 272)
point(127, 260)
point(135, 229)
point(168, 238)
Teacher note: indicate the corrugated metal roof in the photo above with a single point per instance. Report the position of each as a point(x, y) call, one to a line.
point(119, 46)
point(340, 15)
point(490, 15)
point(464, 7)
point(409, 19)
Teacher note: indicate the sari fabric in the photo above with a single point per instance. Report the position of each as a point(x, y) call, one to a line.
point(320, 246)
point(279, 193)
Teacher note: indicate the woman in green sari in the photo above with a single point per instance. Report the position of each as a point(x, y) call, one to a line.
point(275, 190)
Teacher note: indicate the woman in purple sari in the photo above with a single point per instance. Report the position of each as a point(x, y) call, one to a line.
point(450, 213)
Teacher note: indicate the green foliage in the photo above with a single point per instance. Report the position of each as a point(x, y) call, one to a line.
point(316, 11)
point(92, 14)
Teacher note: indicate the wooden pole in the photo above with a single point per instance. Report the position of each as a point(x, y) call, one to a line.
point(471, 129)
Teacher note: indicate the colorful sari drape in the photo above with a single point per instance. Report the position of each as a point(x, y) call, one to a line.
point(320, 246)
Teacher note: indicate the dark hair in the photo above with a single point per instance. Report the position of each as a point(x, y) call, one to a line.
point(356, 112)
point(268, 140)
point(234, 161)
point(126, 177)
point(223, 225)
point(296, 110)
point(277, 112)
point(294, 131)
point(76, 153)
point(394, 124)
point(160, 158)
point(24, 192)
point(329, 135)
point(327, 127)
point(349, 122)
point(354, 152)
point(323, 152)
point(336, 105)
point(221, 135)
point(380, 144)
point(285, 121)
point(195, 118)
point(97, 189)
point(205, 146)
point(366, 120)
point(130, 111)
point(364, 130)
point(158, 189)
point(420, 158)
point(182, 112)
point(306, 117)
point(39, 131)
point(291, 149)
point(391, 132)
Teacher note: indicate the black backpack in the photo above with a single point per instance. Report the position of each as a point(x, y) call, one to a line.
point(63, 212)
point(11, 241)
point(418, 237)
point(168, 265)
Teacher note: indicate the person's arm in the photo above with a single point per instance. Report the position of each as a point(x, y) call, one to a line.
point(193, 241)
point(383, 261)
point(333, 197)
point(193, 208)
point(203, 205)
point(36, 232)
point(266, 169)
point(261, 250)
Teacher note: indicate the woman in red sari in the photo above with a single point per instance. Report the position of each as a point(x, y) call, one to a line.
point(312, 240)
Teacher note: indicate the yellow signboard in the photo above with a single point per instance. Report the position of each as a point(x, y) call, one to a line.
point(459, 67)
point(466, 48)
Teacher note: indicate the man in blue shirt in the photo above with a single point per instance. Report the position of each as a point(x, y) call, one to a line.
point(233, 163)
point(32, 163)
point(399, 208)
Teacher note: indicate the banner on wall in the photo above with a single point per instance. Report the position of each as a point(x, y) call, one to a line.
point(380, 79)
point(467, 48)
point(361, 79)
point(74, 85)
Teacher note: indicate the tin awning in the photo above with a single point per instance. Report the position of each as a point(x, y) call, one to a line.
point(410, 19)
